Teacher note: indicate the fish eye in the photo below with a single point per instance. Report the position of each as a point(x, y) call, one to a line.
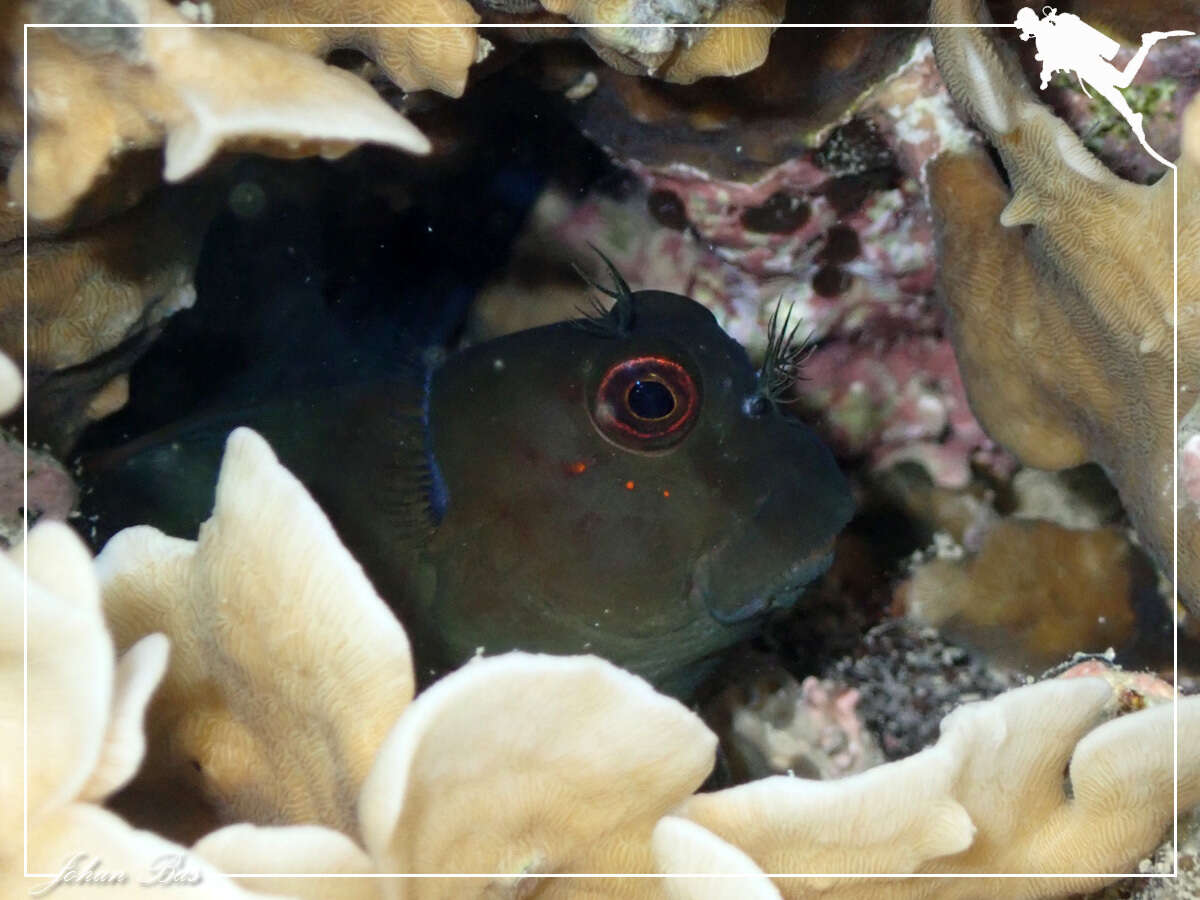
point(646, 403)
point(650, 400)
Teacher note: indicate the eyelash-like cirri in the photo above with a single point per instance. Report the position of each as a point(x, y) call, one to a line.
point(615, 322)
point(784, 359)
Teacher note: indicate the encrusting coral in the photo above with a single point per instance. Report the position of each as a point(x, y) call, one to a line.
point(440, 57)
point(107, 263)
point(195, 90)
point(1033, 592)
point(1059, 290)
point(676, 41)
point(727, 51)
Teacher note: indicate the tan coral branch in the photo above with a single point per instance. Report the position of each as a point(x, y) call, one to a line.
point(251, 714)
point(1060, 290)
point(195, 89)
point(415, 59)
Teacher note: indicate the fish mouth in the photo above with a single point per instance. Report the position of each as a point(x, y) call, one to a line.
point(781, 593)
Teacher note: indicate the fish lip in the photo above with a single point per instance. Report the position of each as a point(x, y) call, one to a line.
point(791, 583)
point(757, 606)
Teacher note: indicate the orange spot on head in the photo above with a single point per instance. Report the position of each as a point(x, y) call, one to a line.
point(577, 468)
point(666, 493)
point(629, 485)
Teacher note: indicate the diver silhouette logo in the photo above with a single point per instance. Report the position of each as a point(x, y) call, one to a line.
point(1066, 43)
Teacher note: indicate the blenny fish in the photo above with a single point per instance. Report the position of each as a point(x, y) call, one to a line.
point(626, 484)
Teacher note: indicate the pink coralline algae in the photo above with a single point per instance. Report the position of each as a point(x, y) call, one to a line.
point(52, 492)
point(1134, 689)
point(810, 729)
point(841, 234)
point(1189, 466)
point(899, 401)
point(843, 252)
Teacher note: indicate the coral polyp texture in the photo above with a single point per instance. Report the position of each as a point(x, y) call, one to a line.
point(200, 592)
point(97, 294)
point(440, 57)
point(679, 55)
point(519, 764)
point(412, 58)
point(110, 259)
point(1059, 291)
point(673, 41)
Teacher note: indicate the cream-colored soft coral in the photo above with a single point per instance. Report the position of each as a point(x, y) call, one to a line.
point(95, 93)
point(990, 796)
point(516, 765)
point(681, 845)
point(520, 765)
point(293, 854)
point(287, 670)
point(572, 759)
point(84, 733)
point(1060, 289)
point(10, 384)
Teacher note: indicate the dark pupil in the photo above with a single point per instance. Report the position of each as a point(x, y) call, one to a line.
point(650, 400)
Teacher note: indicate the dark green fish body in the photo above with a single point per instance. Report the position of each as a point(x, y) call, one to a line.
point(619, 489)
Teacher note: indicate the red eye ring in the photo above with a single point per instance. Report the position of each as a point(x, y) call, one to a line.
point(646, 403)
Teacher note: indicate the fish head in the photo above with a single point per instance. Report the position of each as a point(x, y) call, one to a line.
point(624, 490)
